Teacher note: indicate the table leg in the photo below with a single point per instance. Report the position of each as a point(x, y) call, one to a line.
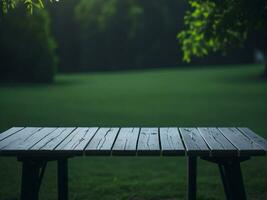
point(223, 178)
point(231, 176)
point(30, 180)
point(234, 186)
point(62, 179)
point(32, 173)
point(192, 178)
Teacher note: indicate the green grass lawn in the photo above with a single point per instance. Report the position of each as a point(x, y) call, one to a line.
point(227, 96)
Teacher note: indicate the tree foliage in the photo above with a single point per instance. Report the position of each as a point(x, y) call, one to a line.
point(107, 28)
point(128, 33)
point(7, 5)
point(121, 34)
point(27, 47)
point(100, 14)
point(220, 25)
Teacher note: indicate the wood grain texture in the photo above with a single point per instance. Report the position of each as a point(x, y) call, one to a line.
point(126, 142)
point(77, 140)
point(51, 141)
point(12, 142)
point(102, 142)
point(35, 141)
point(244, 145)
point(10, 132)
point(171, 142)
point(30, 141)
point(194, 143)
point(254, 137)
point(217, 143)
point(148, 142)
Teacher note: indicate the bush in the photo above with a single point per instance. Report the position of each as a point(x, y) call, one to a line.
point(27, 49)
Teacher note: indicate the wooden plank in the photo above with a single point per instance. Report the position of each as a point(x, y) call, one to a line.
point(30, 141)
point(148, 142)
point(194, 143)
point(171, 143)
point(10, 132)
point(126, 142)
point(102, 142)
point(216, 141)
point(51, 141)
point(245, 146)
point(11, 143)
point(254, 137)
point(77, 140)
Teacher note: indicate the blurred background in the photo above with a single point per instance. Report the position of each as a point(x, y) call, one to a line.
point(119, 63)
point(98, 35)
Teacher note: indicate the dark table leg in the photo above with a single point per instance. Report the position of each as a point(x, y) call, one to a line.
point(224, 181)
point(62, 179)
point(231, 176)
point(31, 179)
point(33, 169)
point(192, 178)
point(234, 187)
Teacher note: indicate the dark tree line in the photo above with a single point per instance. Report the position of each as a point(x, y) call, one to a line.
point(90, 35)
point(27, 48)
point(128, 34)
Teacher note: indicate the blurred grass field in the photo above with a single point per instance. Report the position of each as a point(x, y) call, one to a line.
point(225, 96)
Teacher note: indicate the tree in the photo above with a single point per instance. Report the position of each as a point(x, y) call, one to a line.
point(221, 25)
point(108, 29)
point(7, 5)
point(123, 34)
point(27, 49)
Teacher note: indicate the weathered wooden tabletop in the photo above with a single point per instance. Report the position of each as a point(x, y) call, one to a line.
point(69, 141)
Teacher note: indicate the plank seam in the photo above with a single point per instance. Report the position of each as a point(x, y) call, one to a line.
point(42, 137)
point(117, 134)
point(181, 139)
point(160, 148)
point(210, 153)
point(74, 128)
point(136, 148)
point(83, 151)
point(238, 150)
point(38, 128)
point(250, 139)
point(180, 135)
point(51, 138)
point(200, 133)
point(12, 133)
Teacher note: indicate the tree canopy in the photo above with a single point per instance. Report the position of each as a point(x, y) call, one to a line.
point(6, 5)
point(128, 33)
point(136, 32)
point(220, 25)
point(27, 47)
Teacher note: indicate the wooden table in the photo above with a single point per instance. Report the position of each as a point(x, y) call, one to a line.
point(226, 147)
